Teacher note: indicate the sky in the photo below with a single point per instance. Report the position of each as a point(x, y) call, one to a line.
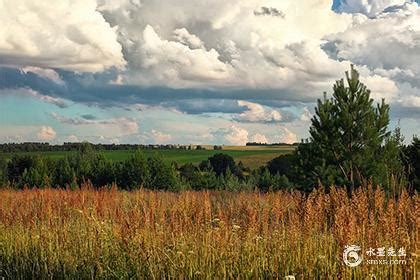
point(201, 72)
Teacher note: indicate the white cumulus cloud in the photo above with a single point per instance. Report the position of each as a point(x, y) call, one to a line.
point(257, 113)
point(175, 63)
point(285, 136)
point(259, 138)
point(159, 137)
point(73, 138)
point(387, 45)
point(68, 34)
point(232, 135)
point(46, 133)
point(228, 44)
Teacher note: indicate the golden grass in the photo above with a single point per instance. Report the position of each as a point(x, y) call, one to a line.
point(86, 233)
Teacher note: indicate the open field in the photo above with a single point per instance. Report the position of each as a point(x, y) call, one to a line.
point(53, 233)
point(252, 157)
point(255, 148)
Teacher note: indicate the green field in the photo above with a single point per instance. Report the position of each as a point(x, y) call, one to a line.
point(251, 156)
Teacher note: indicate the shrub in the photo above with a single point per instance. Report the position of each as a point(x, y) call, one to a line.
point(16, 166)
point(283, 165)
point(38, 173)
point(3, 170)
point(104, 171)
point(135, 172)
point(221, 163)
point(231, 182)
point(65, 174)
point(188, 171)
point(205, 180)
point(162, 174)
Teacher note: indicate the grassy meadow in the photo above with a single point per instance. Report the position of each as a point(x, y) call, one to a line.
point(111, 234)
point(251, 156)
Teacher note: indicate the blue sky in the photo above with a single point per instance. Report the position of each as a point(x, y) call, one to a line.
point(218, 72)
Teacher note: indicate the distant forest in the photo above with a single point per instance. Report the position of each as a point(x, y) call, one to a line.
point(76, 146)
point(270, 144)
point(70, 146)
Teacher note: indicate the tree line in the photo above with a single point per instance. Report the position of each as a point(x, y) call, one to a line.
point(70, 146)
point(218, 172)
point(270, 144)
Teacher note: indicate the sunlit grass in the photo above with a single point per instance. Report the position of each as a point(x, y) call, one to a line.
point(86, 233)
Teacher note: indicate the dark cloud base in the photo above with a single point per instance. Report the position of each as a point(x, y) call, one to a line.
point(95, 89)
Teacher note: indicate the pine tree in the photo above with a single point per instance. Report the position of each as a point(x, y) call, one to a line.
point(162, 174)
point(413, 154)
point(348, 133)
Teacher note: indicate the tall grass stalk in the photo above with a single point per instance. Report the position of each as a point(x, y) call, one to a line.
point(87, 233)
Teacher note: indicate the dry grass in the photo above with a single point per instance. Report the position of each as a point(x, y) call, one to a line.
point(202, 235)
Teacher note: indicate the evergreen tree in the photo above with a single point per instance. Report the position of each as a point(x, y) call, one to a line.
point(231, 182)
point(135, 172)
point(390, 166)
point(348, 134)
point(38, 174)
point(162, 174)
point(205, 165)
point(64, 174)
point(413, 155)
point(104, 172)
point(17, 166)
point(3, 171)
point(205, 179)
point(265, 180)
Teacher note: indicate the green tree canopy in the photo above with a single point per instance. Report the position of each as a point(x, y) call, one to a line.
point(135, 172)
point(221, 163)
point(347, 138)
point(3, 170)
point(413, 153)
